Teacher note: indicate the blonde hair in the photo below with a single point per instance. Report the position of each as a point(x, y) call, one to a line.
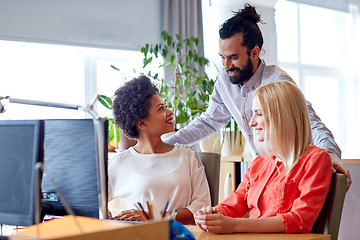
point(287, 124)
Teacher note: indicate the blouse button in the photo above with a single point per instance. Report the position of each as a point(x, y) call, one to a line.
point(300, 227)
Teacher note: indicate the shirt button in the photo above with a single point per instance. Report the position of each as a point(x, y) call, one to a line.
point(249, 136)
point(243, 117)
point(300, 227)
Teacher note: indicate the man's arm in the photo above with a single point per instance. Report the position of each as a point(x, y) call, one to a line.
point(198, 129)
point(209, 122)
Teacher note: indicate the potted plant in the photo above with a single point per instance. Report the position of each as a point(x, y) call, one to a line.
point(187, 90)
point(186, 87)
point(232, 140)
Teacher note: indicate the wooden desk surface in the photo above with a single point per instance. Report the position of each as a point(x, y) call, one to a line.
point(202, 235)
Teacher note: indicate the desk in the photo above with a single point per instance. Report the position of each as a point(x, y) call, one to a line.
point(202, 235)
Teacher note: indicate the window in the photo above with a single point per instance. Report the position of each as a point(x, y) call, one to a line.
point(62, 74)
point(40, 72)
point(316, 46)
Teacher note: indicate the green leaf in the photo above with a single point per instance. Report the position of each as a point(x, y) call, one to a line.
point(114, 135)
point(145, 49)
point(169, 40)
point(164, 52)
point(172, 58)
point(147, 61)
point(190, 53)
point(105, 101)
point(156, 50)
point(196, 57)
point(178, 48)
point(113, 67)
point(177, 37)
point(198, 41)
point(188, 43)
point(165, 35)
point(167, 63)
point(180, 67)
point(183, 117)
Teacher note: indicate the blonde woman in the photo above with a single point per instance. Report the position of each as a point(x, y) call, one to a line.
point(285, 187)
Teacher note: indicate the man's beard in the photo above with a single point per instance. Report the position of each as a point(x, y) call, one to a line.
point(244, 74)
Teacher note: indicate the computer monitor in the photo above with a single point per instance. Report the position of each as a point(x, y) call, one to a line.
point(21, 144)
point(70, 159)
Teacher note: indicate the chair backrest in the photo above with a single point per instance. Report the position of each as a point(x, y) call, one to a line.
point(328, 221)
point(211, 161)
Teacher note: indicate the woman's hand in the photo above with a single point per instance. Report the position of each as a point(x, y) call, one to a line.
point(204, 211)
point(131, 214)
point(215, 222)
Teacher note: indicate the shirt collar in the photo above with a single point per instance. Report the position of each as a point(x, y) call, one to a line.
point(255, 80)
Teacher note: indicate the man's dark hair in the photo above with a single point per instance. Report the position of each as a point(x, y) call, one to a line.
point(131, 103)
point(244, 21)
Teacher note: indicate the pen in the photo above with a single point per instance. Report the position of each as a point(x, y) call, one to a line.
point(150, 208)
point(141, 206)
point(142, 213)
point(148, 215)
point(164, 211)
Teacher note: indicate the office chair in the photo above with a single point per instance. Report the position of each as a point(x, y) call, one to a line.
point(328, 221)
point(211, 161)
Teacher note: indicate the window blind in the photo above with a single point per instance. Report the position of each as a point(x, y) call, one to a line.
point(118, 24)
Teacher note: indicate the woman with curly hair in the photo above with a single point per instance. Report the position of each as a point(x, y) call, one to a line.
point(152, 170)
point(285, 187)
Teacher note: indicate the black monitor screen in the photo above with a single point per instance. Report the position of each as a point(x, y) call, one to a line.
point(70, 160)
point(20, 149)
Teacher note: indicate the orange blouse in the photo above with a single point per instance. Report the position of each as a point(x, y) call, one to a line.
point(297, 197)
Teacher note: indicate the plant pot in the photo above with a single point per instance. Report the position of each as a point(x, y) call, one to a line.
point(211, 144)
point(232, 145)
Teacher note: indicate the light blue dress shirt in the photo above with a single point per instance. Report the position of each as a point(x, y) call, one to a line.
point(231, 100)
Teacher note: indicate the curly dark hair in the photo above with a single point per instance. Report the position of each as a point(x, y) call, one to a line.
point(244, 21)
point(131, 103)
